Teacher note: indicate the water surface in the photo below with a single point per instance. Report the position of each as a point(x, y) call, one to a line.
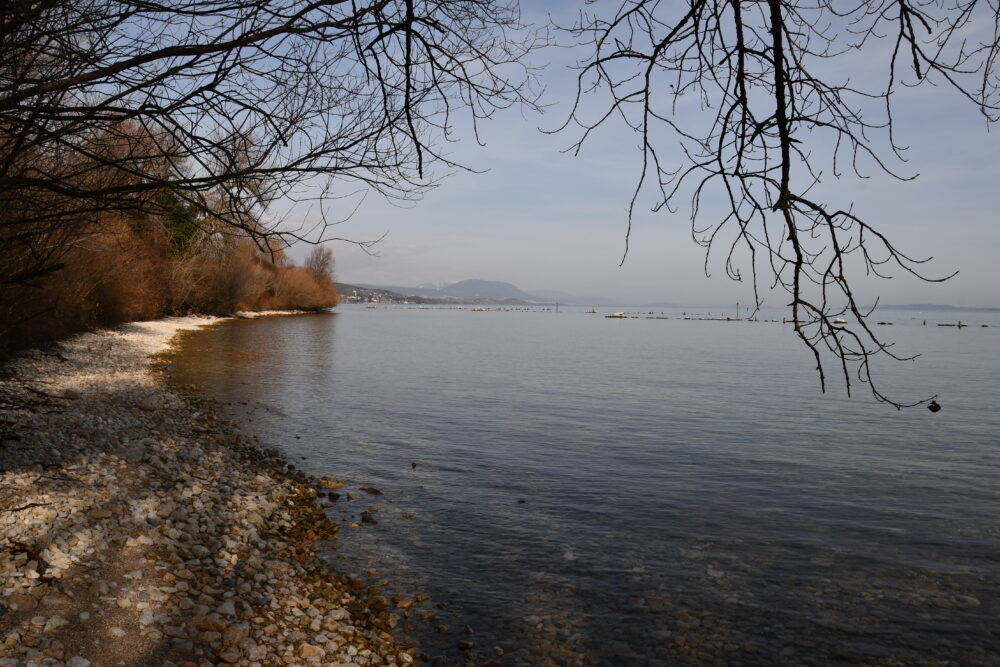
point(643, 491)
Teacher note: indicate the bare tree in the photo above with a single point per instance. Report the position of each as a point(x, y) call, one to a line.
point(231, 105)
point(785, 90)
point(319, 263)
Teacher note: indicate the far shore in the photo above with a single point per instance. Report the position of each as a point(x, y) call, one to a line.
point(140, 528)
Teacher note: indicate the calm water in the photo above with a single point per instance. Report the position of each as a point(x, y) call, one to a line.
point(593, 491)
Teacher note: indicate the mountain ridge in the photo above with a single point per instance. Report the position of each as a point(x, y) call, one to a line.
point(496, 291)
point(475, 288)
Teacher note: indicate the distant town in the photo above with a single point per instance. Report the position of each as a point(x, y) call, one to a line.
point(498, 293)
point(360, 294)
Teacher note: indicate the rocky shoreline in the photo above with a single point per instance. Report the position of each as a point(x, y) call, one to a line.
point(138, 528)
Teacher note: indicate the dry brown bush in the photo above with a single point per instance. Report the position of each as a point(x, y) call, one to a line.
point(218, 278)
point(297, 288)
point(119, 275)
point(68, 264)
point(113, 272)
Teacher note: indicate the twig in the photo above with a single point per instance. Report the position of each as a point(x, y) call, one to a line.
point(23, 507)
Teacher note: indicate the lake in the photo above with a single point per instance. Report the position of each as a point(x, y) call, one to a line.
point(570, 489)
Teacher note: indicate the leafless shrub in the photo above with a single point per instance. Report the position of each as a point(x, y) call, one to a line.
point(219, 279)
point(111, 273)
point(319, 263)
point(298, 288)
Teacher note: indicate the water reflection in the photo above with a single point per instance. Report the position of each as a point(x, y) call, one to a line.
point(680, 506)
point(267, 362)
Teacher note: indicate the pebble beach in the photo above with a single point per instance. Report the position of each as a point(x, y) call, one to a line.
point(138, 528)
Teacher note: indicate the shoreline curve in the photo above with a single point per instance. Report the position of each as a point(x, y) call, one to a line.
point(138, 527)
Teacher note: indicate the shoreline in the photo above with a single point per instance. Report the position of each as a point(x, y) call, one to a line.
point(138, 527)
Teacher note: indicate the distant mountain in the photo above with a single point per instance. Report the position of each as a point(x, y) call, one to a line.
point(499, 292)
point(485, 289)
point(474, 290)
point(464, 289)
point(407, 291)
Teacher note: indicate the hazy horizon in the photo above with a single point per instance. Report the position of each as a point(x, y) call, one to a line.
point(625, 299)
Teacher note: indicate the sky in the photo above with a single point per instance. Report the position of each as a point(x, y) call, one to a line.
point(541, 218)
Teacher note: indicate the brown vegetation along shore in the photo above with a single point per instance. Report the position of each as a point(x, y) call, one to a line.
point(128, 270)
point(137, 528)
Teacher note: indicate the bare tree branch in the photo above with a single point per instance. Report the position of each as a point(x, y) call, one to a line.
point(773, 84)
point(233, 105)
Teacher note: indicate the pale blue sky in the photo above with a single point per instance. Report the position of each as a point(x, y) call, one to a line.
point(542, 219)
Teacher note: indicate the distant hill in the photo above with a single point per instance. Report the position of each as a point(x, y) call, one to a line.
point(494, 290)
point(358, 294)
point(486, 289)
point(498, 292)
point(464, 290)
point(400, 290)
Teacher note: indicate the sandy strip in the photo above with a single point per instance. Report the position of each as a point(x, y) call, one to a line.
point(136, 528)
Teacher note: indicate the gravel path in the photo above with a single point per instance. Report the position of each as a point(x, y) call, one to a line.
point(136, 528)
